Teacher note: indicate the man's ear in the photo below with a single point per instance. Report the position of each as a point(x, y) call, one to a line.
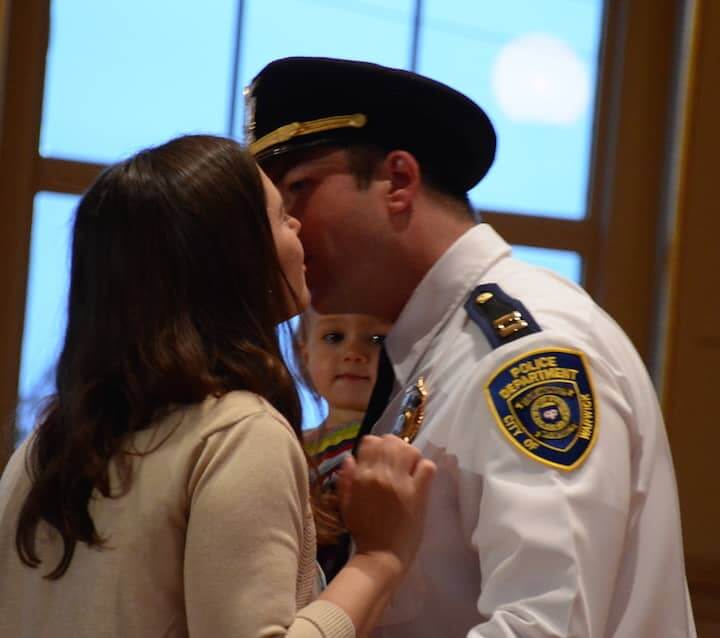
point(403, 172)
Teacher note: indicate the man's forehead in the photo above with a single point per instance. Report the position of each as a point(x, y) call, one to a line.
point(327, 157)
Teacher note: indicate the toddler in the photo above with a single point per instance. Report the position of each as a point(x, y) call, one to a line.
point(338, 357)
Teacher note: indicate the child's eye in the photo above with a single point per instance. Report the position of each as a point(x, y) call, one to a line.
point(333, 337)
point(377, 339)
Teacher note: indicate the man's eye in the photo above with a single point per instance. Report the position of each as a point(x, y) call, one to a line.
point(378, 339)
point(333, 337)
point(296, 186)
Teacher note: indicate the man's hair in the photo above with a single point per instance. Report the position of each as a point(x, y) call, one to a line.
point(364, 159)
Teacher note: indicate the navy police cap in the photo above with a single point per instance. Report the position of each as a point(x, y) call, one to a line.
point(297, 103)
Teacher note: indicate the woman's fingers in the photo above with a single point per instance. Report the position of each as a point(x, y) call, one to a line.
point(345, 480)
point(392, 465)
point(389, 451)
point(385, 499)
point(424, 474)
point(370, 449)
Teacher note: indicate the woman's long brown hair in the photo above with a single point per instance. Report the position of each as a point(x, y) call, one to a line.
point(175, 294)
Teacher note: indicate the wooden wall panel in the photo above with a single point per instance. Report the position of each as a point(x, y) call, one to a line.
point(692, 338)
point(19, 134)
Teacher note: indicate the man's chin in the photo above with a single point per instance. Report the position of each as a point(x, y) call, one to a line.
point(329, 303)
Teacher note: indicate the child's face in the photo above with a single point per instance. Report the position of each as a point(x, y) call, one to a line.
point(341, 354)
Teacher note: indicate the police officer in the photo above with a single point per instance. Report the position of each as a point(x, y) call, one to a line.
point(554, 511)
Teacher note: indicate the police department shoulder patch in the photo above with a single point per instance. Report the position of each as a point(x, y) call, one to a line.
point(544, 404)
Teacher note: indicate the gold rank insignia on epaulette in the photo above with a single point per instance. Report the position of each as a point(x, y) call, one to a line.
point(543, 402)
point(412, 412)
point(500, 317)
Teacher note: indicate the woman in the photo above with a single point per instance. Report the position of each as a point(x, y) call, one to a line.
point(165, 491)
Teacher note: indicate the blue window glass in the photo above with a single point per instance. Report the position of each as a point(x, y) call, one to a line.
point(377, 31)
point(532, 65)
point(125, 74)
point(564, 262)
point(46, 303)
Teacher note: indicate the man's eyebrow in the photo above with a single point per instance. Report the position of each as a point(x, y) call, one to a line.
point(279, 172)
point(293, 172)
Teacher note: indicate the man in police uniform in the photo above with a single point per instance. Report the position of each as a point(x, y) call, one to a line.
point(554, 510)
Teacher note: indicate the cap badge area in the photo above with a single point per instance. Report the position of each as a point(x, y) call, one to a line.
point(249, 124)
point(543, 402)
point(295, 129)
point(412, 411)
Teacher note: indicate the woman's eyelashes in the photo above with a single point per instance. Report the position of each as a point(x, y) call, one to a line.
point(296, 185)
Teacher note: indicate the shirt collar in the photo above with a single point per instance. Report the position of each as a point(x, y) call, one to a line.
point(439, 294)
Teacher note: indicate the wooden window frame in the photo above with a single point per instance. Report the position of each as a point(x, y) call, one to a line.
point(646, 179)
point(627, 172)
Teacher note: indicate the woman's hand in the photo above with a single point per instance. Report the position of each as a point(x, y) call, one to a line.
point(383, 498)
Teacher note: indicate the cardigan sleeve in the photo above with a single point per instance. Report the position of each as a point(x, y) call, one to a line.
point(248, 495)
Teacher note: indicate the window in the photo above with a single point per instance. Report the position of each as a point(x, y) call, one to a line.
point(122, 75)
point(125, 74)
point(533, 67)
point(160, 68)
point(48, 282)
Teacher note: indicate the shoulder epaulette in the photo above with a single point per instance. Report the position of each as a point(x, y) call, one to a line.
point(500, 317)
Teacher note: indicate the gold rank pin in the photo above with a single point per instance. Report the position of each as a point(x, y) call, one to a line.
point(499, 316)
point(506, 324)
point(412, 412)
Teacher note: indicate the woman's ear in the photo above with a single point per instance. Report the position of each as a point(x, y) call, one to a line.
point(403, 172)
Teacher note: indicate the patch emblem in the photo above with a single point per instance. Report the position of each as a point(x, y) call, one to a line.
point(412, 412)
point(543, 402)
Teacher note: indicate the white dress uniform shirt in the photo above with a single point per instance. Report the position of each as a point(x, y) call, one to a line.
point(514, 546)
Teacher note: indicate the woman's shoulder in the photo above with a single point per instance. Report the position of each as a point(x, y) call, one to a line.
point(233, 410)
point(15, 472)
point(231, 416)
point(228, 426)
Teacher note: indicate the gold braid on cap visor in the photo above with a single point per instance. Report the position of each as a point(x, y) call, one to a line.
point(295, 129)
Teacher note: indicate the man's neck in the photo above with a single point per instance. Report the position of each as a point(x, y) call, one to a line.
point(430, 233)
